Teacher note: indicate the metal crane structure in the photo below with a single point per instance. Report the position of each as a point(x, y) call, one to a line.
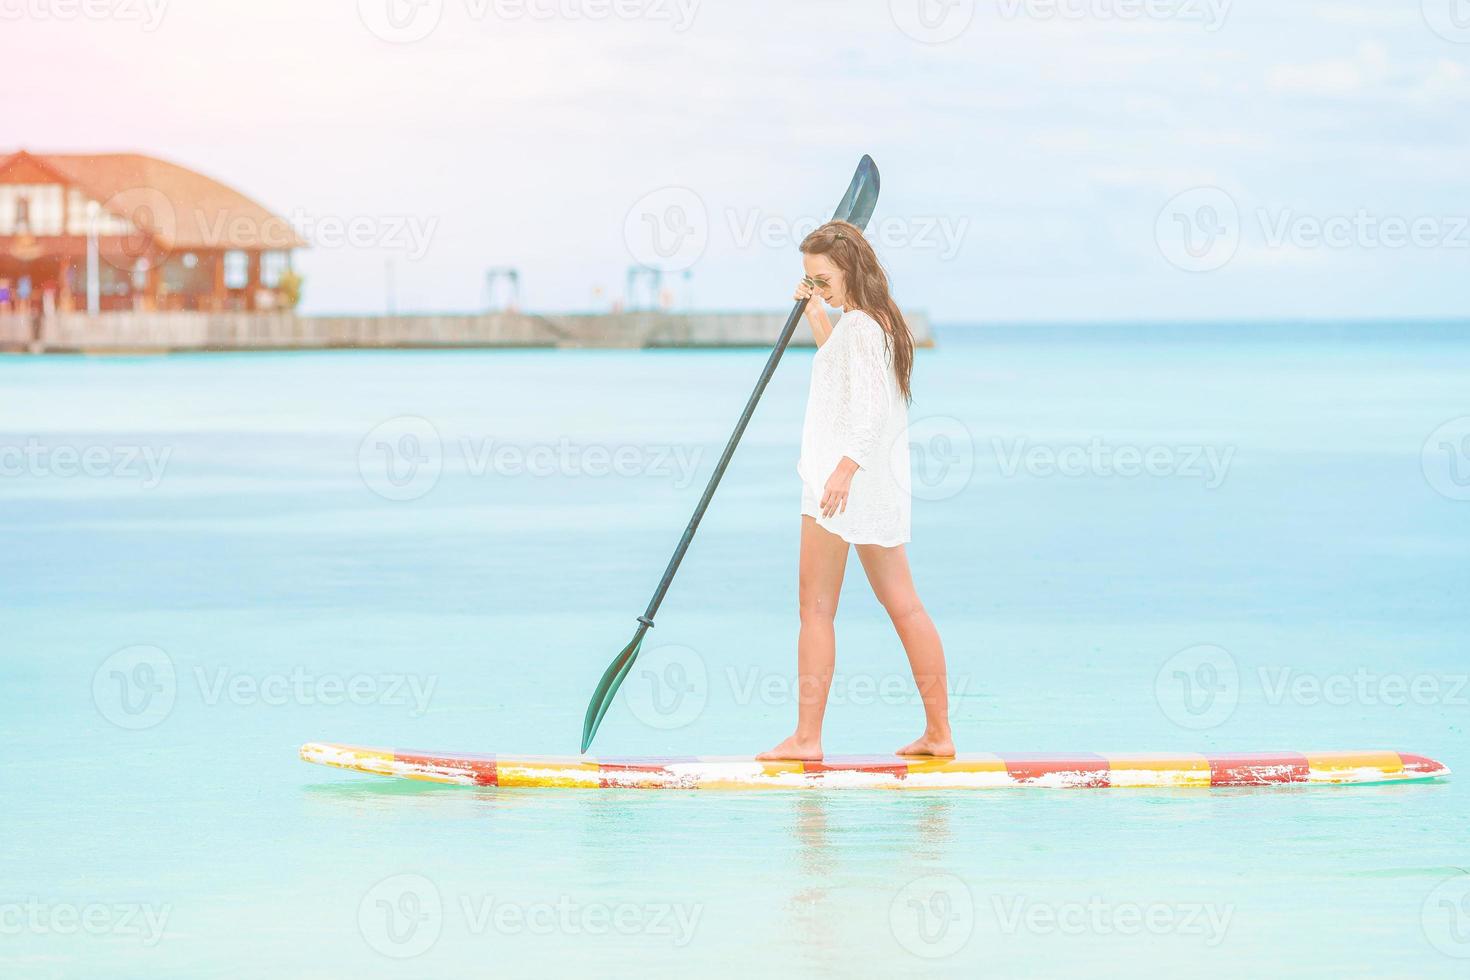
point(502, 289)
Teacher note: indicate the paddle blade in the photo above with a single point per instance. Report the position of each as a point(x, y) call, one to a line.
point(861, 198)
point(607, 688)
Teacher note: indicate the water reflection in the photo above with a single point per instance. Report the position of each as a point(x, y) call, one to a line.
point(853, 852)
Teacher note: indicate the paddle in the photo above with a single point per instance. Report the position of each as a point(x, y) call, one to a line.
point(856, 207)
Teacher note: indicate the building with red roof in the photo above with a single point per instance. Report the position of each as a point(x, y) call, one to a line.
point(144, 233)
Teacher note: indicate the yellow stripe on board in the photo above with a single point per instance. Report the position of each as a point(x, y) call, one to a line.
point(544, 771)
point(1339, 767)
point(968, 763)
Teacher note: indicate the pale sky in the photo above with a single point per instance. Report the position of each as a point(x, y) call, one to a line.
point(1042, 159)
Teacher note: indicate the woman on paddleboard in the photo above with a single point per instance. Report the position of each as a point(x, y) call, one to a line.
point(854, 470)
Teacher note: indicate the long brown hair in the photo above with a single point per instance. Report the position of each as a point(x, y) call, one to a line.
point(867, 290)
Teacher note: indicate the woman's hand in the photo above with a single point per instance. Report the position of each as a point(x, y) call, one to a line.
point(809, 288)
point(839, 485)
point(816, 308)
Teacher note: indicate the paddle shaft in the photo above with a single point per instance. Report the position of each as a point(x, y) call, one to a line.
point(714, 481)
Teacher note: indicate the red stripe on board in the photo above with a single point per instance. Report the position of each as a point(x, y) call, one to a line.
point(859, 763)
point(1091, 770)
point(645, 765)
point(1255, 769)
point(637, 765)
point(1418, 763)
point(481, 767)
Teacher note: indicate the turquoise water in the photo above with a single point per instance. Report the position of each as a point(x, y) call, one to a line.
point(246, 552)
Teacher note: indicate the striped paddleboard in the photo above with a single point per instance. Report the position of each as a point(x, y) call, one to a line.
point(979, 771)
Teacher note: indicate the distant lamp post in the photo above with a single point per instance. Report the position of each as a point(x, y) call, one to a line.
point(94, 275)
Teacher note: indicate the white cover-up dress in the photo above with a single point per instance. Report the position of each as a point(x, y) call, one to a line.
point(855, 409)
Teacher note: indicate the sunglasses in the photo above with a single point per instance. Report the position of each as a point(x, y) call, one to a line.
point(814, 282)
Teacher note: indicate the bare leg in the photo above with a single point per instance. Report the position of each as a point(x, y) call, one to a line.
point(888, 574)
point(819, 581)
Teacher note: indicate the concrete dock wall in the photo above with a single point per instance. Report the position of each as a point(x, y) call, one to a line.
point(156, 332)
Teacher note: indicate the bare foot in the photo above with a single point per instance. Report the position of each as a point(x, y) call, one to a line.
point(935, 745)
point(794, 749)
